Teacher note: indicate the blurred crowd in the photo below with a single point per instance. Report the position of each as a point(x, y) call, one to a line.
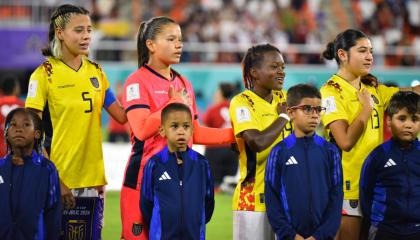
point(300, 28)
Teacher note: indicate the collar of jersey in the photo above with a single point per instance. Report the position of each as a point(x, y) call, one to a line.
point(260, 99)
point(344, 84)
point(158, 74)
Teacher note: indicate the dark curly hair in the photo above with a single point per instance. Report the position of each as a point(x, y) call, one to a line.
point(37, 127)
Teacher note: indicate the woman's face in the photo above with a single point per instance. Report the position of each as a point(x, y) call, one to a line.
point(167, 46)
point(359, 58)
point(270, 74)
point(76, 36)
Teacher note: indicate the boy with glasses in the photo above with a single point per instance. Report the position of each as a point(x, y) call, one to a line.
point(303, 181)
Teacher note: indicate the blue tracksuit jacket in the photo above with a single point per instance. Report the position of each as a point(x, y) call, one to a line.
point(177, 202)
point(390, 188)
point(303, 188)
point(30, 202)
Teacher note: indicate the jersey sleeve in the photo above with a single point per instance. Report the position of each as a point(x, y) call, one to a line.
point(37, 89)
point(242, 115)
point(334, 104)
point(386, 93)
point(135, 94)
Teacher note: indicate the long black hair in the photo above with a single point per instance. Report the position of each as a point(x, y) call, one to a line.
point(148, 30)
point(253, 58)
point(344, 40)
point(37, 127)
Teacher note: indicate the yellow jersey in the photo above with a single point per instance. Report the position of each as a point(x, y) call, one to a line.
point(341, 102)
point(75, 100)
point(249, 111)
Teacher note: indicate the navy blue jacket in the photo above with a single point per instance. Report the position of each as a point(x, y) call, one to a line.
point(390, 188)
point(175, 208)
point(30, 202)
point(303, 188)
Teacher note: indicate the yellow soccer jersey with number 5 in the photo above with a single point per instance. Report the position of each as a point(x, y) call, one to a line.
point(341, 102)
point(75, 100)
point(249, 111)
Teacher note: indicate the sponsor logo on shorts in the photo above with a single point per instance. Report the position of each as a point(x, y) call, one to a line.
point(137, 229)
point(354, 203)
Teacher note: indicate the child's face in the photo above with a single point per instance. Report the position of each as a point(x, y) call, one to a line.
point(178, 130)
point(270, 75)
point(306, 116)
point(21, 132)
point(404, 126)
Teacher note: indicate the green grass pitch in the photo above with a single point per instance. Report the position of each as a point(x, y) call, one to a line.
point(219, 227)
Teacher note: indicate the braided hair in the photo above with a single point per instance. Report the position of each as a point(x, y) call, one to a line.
point(36, 120)
point(148, 30)
point(60, 17)
point(253, 58)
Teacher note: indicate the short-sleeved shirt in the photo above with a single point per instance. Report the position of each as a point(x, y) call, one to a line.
point(341, 102)
point(75, 100)
point(249, 111)
point(146, 88)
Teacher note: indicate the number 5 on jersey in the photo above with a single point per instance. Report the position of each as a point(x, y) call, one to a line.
point(87, 99)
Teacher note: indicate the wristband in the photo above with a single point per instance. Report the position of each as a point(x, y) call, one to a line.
point(285, 116)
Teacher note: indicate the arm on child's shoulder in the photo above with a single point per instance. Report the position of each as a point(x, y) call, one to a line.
point(212, 136)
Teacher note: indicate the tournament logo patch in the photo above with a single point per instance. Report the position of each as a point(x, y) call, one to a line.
point(329, 104)
point(133, 91)
point(137, 229)
point(243, 114)
point(94, 82)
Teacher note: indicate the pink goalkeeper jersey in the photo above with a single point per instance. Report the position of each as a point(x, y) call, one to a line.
point(146, 88)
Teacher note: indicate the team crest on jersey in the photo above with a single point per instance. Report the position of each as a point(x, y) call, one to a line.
point(94, 82)
point(137, 229)
point(375, 99)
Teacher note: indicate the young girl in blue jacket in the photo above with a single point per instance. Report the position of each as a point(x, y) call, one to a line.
point(30, 204)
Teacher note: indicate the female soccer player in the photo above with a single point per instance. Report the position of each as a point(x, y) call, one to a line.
point(74, 89)
point(354, 116)
point(146, 92)
point(259, 121)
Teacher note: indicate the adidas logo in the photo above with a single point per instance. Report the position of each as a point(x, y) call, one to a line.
point(390, 163)
point(1, 179)
point(291, 161)
point(165, 176)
